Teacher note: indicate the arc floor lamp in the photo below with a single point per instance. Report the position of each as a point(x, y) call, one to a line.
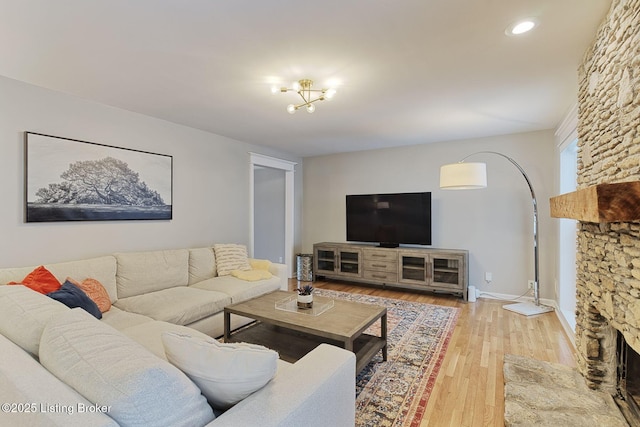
point(467, 176)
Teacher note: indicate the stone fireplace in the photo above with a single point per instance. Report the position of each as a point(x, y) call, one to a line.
point(608, 258)
point(608, 299)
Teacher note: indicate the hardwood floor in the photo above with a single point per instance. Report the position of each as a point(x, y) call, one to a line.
point(469, 390)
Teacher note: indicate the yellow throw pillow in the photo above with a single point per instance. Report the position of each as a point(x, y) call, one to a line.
point(260, 264)
point(251, 275)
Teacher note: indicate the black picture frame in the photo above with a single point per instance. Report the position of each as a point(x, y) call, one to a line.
point(72, 180)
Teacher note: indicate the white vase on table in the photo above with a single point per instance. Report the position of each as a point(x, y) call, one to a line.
point(305, 301)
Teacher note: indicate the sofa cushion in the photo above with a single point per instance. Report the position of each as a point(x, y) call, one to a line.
point(229, 257)
point(202, 264)
point(120, 319)
point(112, 370)
point(143, 272)
point(251, 275)
point(25, 381)
point(24, 314)
point(150, 335)
point(239, 290)
point(181, 305)
point(72, 296)
point(40, 280)
point(226, 373)
point(101, 268)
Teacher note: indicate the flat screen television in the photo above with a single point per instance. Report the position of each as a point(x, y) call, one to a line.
point(389, 219)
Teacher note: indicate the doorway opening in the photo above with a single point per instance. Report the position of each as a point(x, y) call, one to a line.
point(268, 213)
point(258, 163)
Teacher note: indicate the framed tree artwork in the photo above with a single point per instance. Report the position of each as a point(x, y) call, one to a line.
point(71, 180)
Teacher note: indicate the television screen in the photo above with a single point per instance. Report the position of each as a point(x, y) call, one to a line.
point(389, 219)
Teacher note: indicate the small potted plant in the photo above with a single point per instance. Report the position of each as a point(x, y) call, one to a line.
point(305, 296)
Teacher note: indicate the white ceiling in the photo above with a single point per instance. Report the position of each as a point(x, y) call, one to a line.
point(409, 71)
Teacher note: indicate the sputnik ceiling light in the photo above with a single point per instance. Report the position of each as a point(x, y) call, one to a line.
point(308, 95)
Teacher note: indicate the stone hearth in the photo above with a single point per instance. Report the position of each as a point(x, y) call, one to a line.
point(544, 394)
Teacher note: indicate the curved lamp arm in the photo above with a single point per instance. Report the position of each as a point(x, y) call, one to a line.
point(536, 285)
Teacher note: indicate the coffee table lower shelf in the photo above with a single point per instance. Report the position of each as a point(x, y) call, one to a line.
point(293, 345)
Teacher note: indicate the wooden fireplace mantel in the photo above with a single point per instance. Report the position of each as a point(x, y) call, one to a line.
point(616, 202)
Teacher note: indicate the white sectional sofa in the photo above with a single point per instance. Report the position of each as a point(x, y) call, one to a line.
point(179, 286)
point(151, 293)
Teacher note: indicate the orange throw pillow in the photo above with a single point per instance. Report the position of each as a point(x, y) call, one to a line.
point(94, 290)
point(40, 280)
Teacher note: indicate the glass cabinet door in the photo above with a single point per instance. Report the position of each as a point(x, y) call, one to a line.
point(446, 271)
point(413, 269)
point(350, 262)
point(326, 260)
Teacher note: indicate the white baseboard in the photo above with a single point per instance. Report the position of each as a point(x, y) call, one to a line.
point(566, 325)
point(516, 298)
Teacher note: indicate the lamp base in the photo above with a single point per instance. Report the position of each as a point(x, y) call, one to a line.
point(528, 308)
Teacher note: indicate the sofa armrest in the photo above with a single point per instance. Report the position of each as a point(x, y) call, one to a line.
point(316, 391)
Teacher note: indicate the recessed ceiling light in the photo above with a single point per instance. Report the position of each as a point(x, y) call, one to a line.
point(521, 27)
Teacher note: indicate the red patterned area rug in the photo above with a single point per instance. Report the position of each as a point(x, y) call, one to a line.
point(396, 392)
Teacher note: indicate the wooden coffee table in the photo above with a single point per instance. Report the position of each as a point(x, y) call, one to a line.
point(295, 333)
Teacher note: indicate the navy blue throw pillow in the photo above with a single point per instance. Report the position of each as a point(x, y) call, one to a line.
point(72, 296)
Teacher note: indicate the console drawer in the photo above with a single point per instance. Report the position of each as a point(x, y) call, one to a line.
point(390, 266)
point(381, 276)
point(380, 255)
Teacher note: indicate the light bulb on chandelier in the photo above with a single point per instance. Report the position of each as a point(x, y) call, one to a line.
point(303, 88)
point(330, 93)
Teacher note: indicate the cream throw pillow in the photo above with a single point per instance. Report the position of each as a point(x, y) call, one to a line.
point(229, 257)
point(225, 373)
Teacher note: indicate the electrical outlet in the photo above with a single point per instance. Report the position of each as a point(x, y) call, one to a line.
point(531, 283)
point(488, 277)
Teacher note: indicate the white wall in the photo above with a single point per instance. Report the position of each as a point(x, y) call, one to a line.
point(210, 179)
point(495, 224)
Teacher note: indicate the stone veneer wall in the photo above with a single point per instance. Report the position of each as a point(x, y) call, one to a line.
point(608, 259)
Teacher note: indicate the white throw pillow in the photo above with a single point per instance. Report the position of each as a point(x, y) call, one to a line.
point(111, 370)
point(225, 373)
point(229, 257)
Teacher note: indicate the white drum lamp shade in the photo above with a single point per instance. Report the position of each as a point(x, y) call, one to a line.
point(463, 176)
